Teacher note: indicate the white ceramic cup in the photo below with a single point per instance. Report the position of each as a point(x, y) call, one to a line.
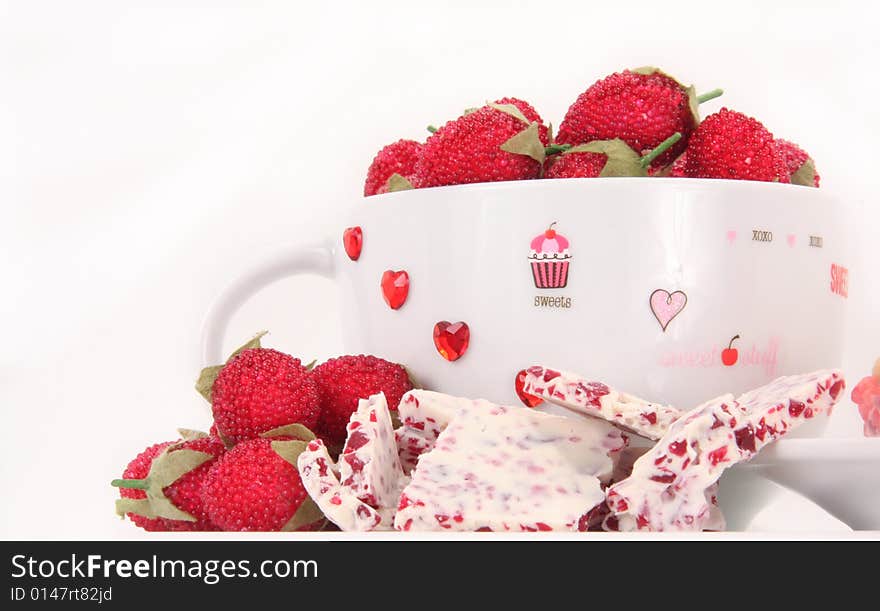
point(662, 273)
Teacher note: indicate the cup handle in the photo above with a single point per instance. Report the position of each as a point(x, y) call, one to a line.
point(315, 259)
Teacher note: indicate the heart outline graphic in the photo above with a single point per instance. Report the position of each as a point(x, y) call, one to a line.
point(665, 306)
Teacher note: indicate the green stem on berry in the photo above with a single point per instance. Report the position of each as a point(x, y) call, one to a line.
point(432, 129)
point(709, 95)
point(660, 149)
point(556, 148)
point(133, 484)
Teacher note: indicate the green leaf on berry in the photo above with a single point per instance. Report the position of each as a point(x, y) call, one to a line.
point(646, 70)
point(190, 434)
point(470, 110)
point(167, 468)
point(511, 110)
point(140, 507)
point(307, 513)
point(693, 103)
point(396, 182)
point(296, 430)
point(164, 508)
point(170, 466)
point(311, 365)
point(622, 160)
point(527, 142)
point(649, 70)
point(254, 342)
point(289, 450)
point(805, 175)
point(205, 383)
point(550, 133)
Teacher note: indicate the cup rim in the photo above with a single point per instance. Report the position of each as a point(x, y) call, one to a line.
point(664, 182)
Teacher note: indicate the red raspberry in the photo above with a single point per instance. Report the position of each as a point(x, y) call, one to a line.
point(677, 170)
point(642, 109)
point(184, 493)
point(866, 395)
point(795, 158)
point(398, 158)
point(261, 389)
point(576, 165)
point(138, 469)
point(728, 144)
point(345, 380)
point(252, 488)
point(468, 149)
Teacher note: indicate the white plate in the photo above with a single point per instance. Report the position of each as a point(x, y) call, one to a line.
point(840, 475)
point(753, 503)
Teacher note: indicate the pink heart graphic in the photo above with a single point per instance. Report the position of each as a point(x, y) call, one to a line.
point(666, 305)
point(731, 236)
point(791, 238)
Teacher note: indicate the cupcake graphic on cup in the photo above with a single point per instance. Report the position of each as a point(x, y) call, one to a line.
point(549, 258)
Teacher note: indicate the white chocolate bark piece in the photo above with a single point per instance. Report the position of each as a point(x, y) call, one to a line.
point(623, 469)
point(423, 415)
point(411, 445)
point(339, 504)
point(369, 464)
point(506, 468)
point(785, 403)
point(671, 485)
point(597, 399)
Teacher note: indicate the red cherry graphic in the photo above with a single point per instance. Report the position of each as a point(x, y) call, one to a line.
point(730, 354)
point(451, 339)
point(527, 399)
point(395, 288)
point(353, 241)
point(550, 233)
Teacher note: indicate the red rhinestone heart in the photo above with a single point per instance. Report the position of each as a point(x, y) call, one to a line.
point(451, 339)
point(353, 241)
point(527, 399)
point(395, 288)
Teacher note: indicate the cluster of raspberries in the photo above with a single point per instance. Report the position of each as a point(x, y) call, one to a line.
point(242, 474)
point(638, 122)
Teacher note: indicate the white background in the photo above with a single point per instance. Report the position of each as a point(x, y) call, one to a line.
point(149, 151)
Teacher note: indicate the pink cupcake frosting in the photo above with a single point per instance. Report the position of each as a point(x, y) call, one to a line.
point(550, 244)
